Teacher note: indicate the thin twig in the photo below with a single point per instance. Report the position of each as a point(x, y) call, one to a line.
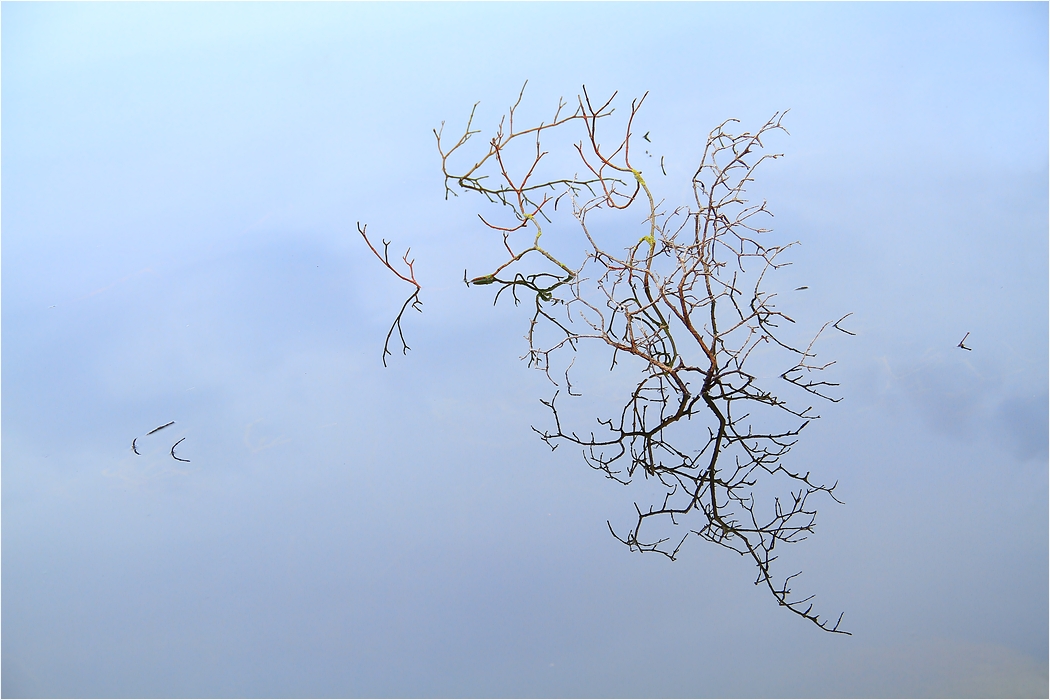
point(413, 299)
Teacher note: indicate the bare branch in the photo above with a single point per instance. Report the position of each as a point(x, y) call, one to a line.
point(409, 276)
point(686, 304)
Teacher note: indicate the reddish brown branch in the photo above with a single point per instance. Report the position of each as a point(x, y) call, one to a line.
point(409, 276)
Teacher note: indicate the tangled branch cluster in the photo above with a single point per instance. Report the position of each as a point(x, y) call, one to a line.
point(686, 303)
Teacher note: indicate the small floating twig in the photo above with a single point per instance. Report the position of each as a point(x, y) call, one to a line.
point(838, 327)
point(173, 450)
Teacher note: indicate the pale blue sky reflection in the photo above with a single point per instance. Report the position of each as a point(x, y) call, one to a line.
point(180, 186)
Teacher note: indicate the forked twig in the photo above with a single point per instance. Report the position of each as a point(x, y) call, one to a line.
point(410, 277)
point(173, 451)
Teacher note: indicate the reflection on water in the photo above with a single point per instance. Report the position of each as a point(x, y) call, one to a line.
point(180, 186)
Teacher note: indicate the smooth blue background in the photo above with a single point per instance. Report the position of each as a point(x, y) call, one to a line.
point(180, 184)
